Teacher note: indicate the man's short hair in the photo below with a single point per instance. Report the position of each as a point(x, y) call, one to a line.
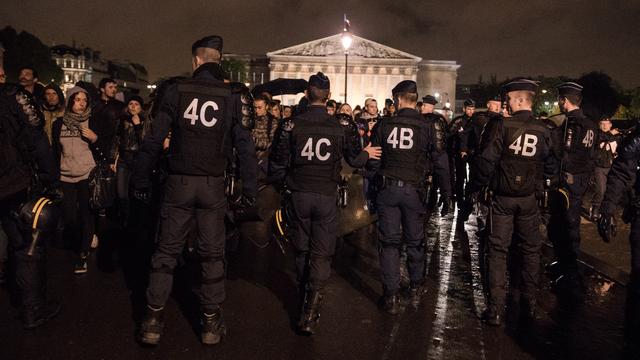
point(575, 99)
point(208, 55)
point(104, 81)
point(28, 67)
point(411, 98)
point(528, 96)
point(368, 100)
point(316, 95)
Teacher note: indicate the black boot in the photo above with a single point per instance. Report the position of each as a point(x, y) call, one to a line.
point(492, 316)
point(390, 303)
point(152, 325)
point(213, 327)
point(447, 207)
point(37, 316)
point(310, 312)
point(415, 295)
point(528, 310)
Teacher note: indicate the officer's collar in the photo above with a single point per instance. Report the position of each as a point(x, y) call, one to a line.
point(409, 112)
point(317, 108)
point(575, 112)
point(522, 112)
point(211, 71)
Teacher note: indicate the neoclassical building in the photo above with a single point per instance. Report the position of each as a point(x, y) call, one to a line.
point(373, 69)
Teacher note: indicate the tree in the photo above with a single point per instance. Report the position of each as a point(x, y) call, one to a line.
point(233, 67)
point(25, 49)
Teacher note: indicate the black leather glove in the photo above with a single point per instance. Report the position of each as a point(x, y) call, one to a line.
point(53, 192)
point(143, 195)
point(244, 202)
point(606, 227)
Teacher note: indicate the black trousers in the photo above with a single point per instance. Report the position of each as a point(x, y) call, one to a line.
point(314, 233)
point(442, 173)
point(564, 227)
point(400, 219)
point(509, 214)
point(29, 270)
point(632, 313)
point(461, 177)
point(189, 200)
point(123, 177)
point(78, 217)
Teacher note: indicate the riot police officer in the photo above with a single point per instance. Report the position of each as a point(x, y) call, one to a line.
point(458, 159)
point(204, 116)
point(471, 139)
point(441, 170)
point(577, 167)
point(406, 142)
point(623, 175)
point(513, 163)
point(307, 153)
point(25, 153)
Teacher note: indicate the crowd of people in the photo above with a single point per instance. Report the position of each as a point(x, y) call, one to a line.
point(515, 167)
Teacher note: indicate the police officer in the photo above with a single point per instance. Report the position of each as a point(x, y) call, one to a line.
point(471, 138)
point(441, 169)
point(623, 175)
point(577, 167)
point(458, 158)
point(204, 117)
point(25, 152)
point(406, 142)
point(307, 153)
point(513, 163)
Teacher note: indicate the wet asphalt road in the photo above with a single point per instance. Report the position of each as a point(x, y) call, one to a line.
point(101, 310)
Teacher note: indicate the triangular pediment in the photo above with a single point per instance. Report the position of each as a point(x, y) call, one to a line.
point(332, 46)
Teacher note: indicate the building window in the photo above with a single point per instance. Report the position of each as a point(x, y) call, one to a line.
point(66, 78)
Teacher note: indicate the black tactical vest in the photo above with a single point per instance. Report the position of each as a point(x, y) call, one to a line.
point(318, 145)
point(404, 148)
point(581, 137)
point(200, 140)
point(520, 170)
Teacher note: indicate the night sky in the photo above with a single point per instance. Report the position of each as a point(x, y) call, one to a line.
point(506, 38)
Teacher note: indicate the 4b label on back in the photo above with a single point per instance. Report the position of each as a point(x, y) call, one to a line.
point(528, 148)
point(401, 138)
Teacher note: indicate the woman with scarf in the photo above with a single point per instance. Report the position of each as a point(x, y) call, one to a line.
point(128, 139)
point(78, 147)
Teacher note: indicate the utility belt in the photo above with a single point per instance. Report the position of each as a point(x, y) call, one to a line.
point(385, 182)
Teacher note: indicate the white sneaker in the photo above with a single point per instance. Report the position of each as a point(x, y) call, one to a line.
point(94, 242)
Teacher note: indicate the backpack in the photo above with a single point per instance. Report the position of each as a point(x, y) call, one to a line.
point(15, 173)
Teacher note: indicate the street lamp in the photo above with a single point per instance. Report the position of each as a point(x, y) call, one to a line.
point(346, 44)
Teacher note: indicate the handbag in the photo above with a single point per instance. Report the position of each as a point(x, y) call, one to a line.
point(102, 187)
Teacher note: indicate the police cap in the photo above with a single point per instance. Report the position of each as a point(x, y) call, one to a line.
point(569, 88)
point(210, 42)
point(520, 84)
point(320, 81)
point(405, 86)
point(429, 99)
point(469, 103)
point(496, 97)
point(388, 102)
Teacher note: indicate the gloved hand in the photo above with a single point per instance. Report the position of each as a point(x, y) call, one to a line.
point(53, 192)
point(143, 195)
point(606, 227)
point(244, 202)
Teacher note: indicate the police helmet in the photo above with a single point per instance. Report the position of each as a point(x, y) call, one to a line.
point(39, 214)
